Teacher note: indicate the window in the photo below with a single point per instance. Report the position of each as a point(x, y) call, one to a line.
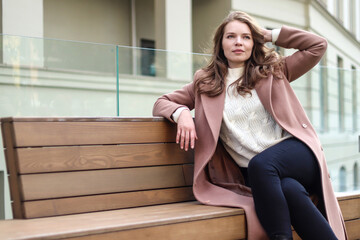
point(342, 179)
point(352, 16)
point(339, 10)
point(341, 96)
point(354, 99)
point(324, 110)
point(147, 57)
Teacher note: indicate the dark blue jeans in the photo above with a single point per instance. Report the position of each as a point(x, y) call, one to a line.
point(281, 178)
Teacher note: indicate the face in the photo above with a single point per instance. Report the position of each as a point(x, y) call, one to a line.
point(237, 43)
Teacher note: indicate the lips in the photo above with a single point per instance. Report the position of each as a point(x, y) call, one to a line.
point(238, 51)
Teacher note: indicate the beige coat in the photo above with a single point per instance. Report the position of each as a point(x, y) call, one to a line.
point(225, 186)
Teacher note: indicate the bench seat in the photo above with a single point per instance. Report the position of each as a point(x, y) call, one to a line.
point(187, 220)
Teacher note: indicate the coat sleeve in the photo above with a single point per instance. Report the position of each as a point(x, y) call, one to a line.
point(167, 104)
point(310, 47)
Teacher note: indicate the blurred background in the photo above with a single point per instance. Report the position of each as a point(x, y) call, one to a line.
point(116, 57)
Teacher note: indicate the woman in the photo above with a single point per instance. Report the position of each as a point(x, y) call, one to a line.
point(255, 147)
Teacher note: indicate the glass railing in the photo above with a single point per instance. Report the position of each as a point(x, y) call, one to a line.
point(145, 74)
point(341, 125)
point(48, 77)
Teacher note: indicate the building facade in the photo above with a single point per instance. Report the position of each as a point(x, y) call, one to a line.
point(137, 50)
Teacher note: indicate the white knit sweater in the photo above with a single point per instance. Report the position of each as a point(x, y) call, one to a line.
point(247, 128)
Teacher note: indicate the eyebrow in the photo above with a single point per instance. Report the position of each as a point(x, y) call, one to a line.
point(227, 33)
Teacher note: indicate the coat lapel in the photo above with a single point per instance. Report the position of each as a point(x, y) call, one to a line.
point(263, 89)
point(213, 108)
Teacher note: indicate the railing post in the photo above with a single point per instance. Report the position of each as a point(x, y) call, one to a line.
point(117, 81)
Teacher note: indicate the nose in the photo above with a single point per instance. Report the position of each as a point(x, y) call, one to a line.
point(238, 41)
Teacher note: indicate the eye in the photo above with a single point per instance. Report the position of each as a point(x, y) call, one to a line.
point(230, 36)
point(247, 37)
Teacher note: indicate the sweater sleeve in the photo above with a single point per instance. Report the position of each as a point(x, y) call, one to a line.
point(275, 35)
point(175, 116)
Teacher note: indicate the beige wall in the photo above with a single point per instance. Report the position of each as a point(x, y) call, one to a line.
point(160, 27)
point(22, 17)
point(1, 31)
point(1, 17)
point(106, 21)
point(145, 20)
point(340, 41)
point(207, 15)
point(291, 13)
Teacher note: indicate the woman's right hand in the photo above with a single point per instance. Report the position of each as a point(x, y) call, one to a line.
point(267, 34)
point(186, 133)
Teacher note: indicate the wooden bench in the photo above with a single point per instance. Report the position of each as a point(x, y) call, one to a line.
point(112, 178)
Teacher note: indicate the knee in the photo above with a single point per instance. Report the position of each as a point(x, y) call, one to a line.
point(293, 190)
point(258, 165)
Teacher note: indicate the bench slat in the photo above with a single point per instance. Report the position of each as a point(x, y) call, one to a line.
point(67, 184)
point(188, 173)
point(55, 159)
point(82, 119)
point(350, 208)
point(110, 221)
point(352, 228)
point(64, 206)
point(232, 227)
point(29, 134)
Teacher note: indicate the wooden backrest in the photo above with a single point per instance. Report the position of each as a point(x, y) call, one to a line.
point(61, 166)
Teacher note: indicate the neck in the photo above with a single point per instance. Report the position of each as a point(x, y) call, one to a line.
point(235, 73)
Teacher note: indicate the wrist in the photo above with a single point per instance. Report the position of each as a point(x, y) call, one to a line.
point(274, 35)
point(177, 113)
point(268, 36)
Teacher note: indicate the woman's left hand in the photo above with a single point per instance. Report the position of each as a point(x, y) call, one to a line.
point(267, 35)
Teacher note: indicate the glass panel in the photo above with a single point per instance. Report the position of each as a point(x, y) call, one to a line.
point(356, 183)
point(47, 77)
point(340, 141)
point(342, 180)
point(145, 74)
point(348, 95)
point(333, 100)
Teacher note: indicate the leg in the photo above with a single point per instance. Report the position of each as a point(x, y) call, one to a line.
point(306, 219)
point(270, 203)
point(289, 158)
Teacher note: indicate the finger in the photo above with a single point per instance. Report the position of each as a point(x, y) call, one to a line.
point(178, 135)
point(192, 138)
point(182, 139)
point(187, 137)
